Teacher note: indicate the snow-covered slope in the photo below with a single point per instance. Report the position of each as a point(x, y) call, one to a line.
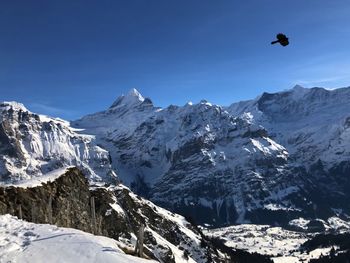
point(21, 242)
point(32, 145)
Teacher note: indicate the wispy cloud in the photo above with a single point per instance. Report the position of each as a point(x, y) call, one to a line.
point(321, 81)
point(53, 111)
point(323, 71)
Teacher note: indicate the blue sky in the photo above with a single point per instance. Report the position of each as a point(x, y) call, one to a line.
point(68, 58)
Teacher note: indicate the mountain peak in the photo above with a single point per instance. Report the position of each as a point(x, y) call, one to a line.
point(135, 93)
point(298, 92)
point(298, 87)
point(131, 98)
point(12, 105)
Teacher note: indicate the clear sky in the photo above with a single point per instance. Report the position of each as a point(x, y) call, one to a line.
point(68, 58)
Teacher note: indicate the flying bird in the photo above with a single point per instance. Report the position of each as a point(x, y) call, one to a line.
point(282, 39)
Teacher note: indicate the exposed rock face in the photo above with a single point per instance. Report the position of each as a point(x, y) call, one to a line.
point(119, 214)
point(32, 145)
point(70, 197)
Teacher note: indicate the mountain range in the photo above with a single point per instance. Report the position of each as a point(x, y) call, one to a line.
point(269, 160)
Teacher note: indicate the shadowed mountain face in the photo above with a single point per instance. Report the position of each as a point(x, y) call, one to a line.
point(269, 160)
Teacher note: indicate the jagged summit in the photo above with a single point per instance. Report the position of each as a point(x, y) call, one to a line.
point(134, 92)
point(6, 105)
point(298, 87)
point(295, 89)
point(133, 97)
point(299, 92)
point(320, 91)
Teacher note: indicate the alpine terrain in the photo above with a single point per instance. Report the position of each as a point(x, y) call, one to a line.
point(195, 183)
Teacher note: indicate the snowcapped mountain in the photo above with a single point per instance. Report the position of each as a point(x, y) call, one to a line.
point(32, 145)
point(313, 124)
point(244, 163)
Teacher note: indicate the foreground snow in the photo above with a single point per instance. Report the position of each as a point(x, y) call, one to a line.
point(21, 241)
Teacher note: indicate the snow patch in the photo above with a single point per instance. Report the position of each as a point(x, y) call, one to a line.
point(25, 242)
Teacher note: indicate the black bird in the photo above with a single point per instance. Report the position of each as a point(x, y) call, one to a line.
point(282, 39)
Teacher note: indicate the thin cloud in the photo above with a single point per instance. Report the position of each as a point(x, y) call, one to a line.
point(315, 82)
point(323, 71)
point(50, 110)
